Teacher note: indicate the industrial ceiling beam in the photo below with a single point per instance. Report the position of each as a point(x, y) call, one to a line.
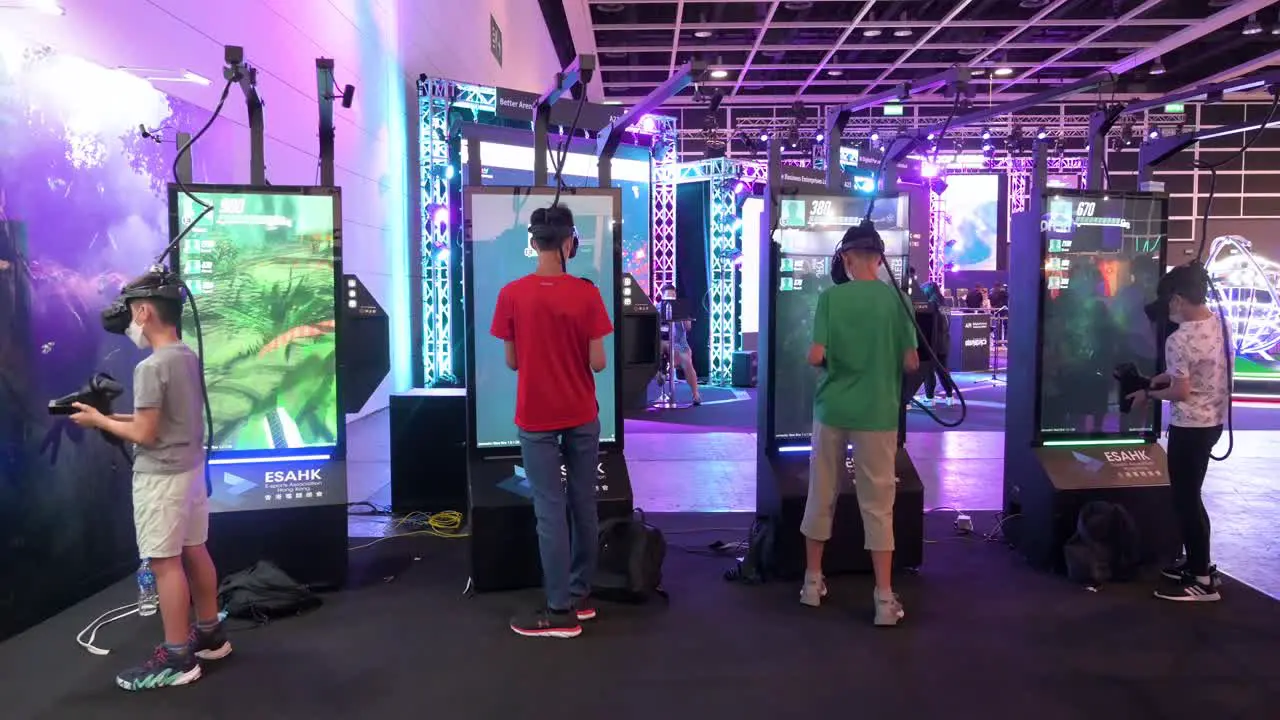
point(1088, 41)
point(958, 8)
point(579, 71)
point(1231, 14)
point(862, 14)
point(1039, 18)
point(764, 29)
point(610, 137)
point(1271, 59)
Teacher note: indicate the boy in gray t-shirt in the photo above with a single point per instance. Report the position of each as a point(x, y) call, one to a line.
point(170, 497)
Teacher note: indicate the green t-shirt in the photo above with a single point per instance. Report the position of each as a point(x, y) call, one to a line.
point(866, 332)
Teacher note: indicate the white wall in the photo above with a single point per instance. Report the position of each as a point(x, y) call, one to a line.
point(450, 39)
point(376, 45)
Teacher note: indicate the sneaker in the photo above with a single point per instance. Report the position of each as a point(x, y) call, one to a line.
point(583, 608)
point(950, 401)
point(209, 644)
point(812, 592)
point(164, 669)
point(1188, 589)
point(889, 610)
point(544, 623)
point(1178, 569)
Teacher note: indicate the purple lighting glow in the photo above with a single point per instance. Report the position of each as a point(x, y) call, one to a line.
point(928, 170)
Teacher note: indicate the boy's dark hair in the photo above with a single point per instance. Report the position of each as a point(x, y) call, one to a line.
point(168, 311)
point(551, 226)
point(1189, 282)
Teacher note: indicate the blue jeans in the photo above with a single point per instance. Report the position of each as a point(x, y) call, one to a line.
point(568, 546)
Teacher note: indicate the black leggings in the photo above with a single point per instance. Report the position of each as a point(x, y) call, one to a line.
point(1189, 450)
point(937, 371)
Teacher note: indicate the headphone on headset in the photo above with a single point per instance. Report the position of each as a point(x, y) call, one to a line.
point(116, 318)
point(862, 237)
point(1157, 311)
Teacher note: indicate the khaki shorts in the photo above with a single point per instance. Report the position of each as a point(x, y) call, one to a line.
point(874, 456)
point(170, 512)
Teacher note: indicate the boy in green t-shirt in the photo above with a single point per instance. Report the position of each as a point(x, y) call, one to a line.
point(863, 340)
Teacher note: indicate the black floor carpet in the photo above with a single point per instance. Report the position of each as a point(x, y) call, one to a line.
point(985, 637)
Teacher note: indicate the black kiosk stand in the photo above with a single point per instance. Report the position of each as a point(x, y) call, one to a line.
point(782, 457)
point(504, 542)
point(1051, 470)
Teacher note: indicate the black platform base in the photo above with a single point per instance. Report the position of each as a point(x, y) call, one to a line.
point(1045, 493)
point(429, 450)
point(845, 551)
point(504, 535)
point(308, 543)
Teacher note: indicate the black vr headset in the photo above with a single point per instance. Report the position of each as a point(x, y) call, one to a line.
point(117, 318)
point(1158, 310)
point(861, 238)
point(549, 232)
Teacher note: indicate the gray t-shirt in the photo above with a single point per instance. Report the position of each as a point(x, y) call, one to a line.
point(170, 380)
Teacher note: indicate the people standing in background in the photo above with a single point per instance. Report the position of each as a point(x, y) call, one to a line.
point(1000, 296)
point(977, 299)
point(941, 343)
point(999, 311)
point(677, 348)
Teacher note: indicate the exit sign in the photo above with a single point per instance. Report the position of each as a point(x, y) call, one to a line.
point(892, 110)
point(1175, 108)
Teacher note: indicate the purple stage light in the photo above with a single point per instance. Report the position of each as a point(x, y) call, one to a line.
point(440, 216)
point(740, 188)
point(648, 124)
point(928, 170)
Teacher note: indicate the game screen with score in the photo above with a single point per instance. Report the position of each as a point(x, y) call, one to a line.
point(1102, 261)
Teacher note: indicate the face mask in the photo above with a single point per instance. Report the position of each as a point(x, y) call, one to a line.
point(135, 334)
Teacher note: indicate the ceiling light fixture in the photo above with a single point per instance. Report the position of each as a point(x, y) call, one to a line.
point(1157, 68)
point(903, 32)
point(1002, 72)
point(835, 73)
point(703, 34)
point(871, 32)
point(1252, 27)
point(719, 74)
point(48, 7)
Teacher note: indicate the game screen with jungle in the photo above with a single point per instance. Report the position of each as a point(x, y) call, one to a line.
point(1103, 255)
point(809, 229)
point(261, 266)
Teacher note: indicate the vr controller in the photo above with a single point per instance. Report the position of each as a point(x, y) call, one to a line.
point(1131, 381)
point(98, 393)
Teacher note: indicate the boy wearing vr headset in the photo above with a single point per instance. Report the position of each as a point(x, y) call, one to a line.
point(1197, 385)
point(553, 325)
point(863, 340)
point(170, 497)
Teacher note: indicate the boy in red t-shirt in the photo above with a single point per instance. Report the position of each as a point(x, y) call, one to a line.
point(554, 325)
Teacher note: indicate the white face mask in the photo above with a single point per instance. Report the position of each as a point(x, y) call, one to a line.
point(135, 334)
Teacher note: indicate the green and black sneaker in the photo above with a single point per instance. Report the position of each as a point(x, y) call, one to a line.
point(166, 668)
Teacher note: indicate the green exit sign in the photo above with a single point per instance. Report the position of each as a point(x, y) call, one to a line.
point(1175, 108)
point(892, 110)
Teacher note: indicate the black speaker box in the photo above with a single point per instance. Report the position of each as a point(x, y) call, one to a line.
point(429, 450)
point(845, 552)
point(504, 534)
point(745, 368)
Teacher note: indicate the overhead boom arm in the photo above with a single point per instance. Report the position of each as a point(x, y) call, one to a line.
point(610, 137)
point(579, 71)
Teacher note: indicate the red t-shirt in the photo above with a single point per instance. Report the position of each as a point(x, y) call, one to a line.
point(552, 320)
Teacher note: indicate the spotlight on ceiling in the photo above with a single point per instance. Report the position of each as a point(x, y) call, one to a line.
point(903, 32)
point(986, 134)
point(719, 74)
point(1042, 134)
point(764, 137)
point(1252, 26)
point(1153, 133)
point(1157, 67)
point(835, 73)
point(871, 32)
point(703, 34)
point(1002, 72)
point(875, 136)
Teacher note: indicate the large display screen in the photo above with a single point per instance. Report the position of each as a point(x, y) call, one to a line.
point(504, 164)
point(975, 221)
point(499, 252)
point(1103, 256)
point(752, 212)
point(262, 268)
point(809, 229)
point(1247, 278)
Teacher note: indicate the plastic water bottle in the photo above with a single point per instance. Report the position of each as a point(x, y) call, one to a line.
point(148, 596)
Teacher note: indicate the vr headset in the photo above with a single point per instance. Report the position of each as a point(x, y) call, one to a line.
point(860, 238)
point(1158, 310)
point(550, 232)
point(116, 318)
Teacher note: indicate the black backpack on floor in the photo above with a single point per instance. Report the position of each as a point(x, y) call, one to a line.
point(631, 556)
point(263, 593)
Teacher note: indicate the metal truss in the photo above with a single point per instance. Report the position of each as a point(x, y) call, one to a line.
point(662, 250)
point(725, 242)
point(860, 127)
point(434, 99)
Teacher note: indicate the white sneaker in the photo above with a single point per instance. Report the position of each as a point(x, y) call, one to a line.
point(889, 610)
point(812, 592)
